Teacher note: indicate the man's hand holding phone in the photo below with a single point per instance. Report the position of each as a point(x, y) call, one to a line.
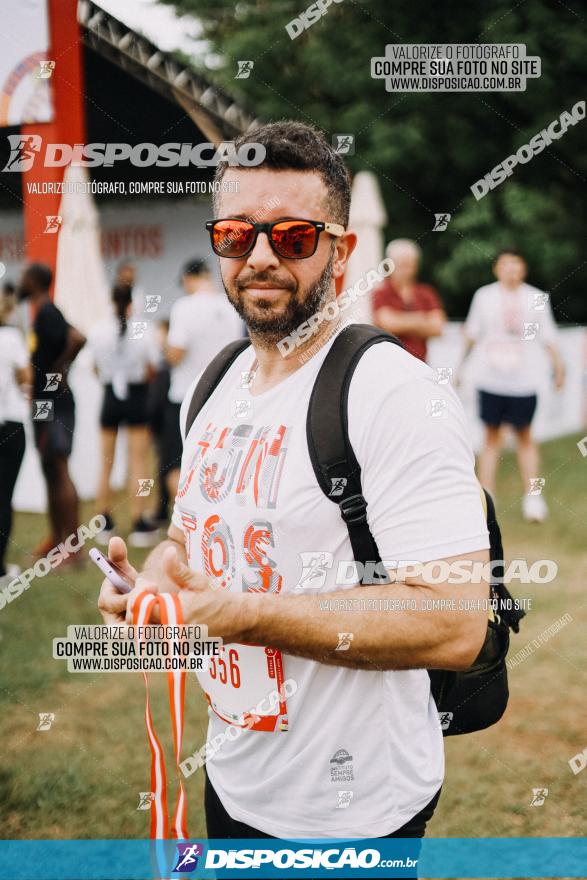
point(112, 601)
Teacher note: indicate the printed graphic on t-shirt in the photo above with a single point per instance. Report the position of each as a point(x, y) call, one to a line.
point(245, 463)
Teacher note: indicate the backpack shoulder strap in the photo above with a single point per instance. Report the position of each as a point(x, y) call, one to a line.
point(335, 465)
point(506, 608)
point(212, 375)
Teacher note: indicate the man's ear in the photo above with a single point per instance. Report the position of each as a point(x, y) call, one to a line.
point(343, 248)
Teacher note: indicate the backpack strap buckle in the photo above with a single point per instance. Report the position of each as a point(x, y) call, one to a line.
point(354, 509)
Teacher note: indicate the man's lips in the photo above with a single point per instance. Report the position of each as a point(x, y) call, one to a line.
point(265, 290)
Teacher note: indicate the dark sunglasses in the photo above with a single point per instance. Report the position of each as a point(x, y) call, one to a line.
point(291, 239)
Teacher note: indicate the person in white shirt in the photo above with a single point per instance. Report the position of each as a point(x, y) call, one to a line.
point(15, 373)
point(125, 356)
point(249, 509)
point(201, 323)
point(511, 322)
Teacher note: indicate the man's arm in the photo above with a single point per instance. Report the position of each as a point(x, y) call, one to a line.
point(442, 637)
point(470, 344)
point(557, 365)
point(74, 342)
point(423, 324)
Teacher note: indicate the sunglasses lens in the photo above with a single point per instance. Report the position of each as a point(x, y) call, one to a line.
point(294, 239)
point(232, 238)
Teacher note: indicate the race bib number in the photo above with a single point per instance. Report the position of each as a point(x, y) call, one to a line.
point(244, 687)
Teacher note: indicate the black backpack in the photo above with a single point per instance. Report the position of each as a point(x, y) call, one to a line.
point(466, 701)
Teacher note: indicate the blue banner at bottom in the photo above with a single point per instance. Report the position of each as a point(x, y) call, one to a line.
point(201, 859)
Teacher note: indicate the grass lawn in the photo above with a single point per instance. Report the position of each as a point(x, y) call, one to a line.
point(82, 778)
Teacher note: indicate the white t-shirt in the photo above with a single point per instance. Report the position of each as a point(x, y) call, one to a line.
point(123, 360)
point(511, 328)
point(374, 733)
point(13, 355)
point(201, 323)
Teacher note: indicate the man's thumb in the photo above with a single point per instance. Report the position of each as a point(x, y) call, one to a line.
point(118, 554)
point(117, 551)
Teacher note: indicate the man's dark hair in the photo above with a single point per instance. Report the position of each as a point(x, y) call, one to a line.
point(510, 252)
point(195, 267)
point(295, 146)
point(40, 275)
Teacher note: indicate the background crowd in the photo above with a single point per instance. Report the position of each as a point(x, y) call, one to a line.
point(146, 368)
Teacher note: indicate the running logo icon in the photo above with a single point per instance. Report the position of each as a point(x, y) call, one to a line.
point(46, 719)
point(187, 857)
point(437, 408)
point(530, 330)
point(537, 302)
point(138, 329)
point(45, 70)
point(244, 69)
point(445, 718)
point(344, 641)
point(241, 408)
point(337, 486)
point(52, 381)
point(344, 144)
point(145, 487)
point(443, 375)
point(152, 302)
point(43, 411)
point(315, 567)
point(145, 800)
point(53, 223)
point(539, 795)
point(344, 800)
point(23, 149)
point(536, 485)
point(441, 222)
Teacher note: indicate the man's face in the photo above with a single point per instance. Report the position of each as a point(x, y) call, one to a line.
point(192, 282)
point(26, 287)
point(271, 294)
point(127, 275)
point(510, 270)
point(406, 266)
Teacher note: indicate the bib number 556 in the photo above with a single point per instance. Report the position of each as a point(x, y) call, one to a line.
point(222, 672)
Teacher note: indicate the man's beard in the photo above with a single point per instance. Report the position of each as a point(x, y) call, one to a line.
point(268, 329)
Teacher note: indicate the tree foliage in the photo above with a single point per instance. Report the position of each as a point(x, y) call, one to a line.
point(427, 149)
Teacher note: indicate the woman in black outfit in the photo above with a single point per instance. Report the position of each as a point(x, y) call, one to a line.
point(15, 371)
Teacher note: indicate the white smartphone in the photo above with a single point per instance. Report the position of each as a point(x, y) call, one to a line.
point(111, 570)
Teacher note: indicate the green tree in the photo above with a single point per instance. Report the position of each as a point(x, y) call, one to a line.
point(429, 148)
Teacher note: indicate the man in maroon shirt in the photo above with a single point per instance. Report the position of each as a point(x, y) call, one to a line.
point(411, 311)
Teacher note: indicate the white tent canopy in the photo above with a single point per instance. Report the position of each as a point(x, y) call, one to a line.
point(367, 218)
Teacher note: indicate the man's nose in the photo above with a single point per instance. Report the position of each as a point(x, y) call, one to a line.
point(262, 256)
